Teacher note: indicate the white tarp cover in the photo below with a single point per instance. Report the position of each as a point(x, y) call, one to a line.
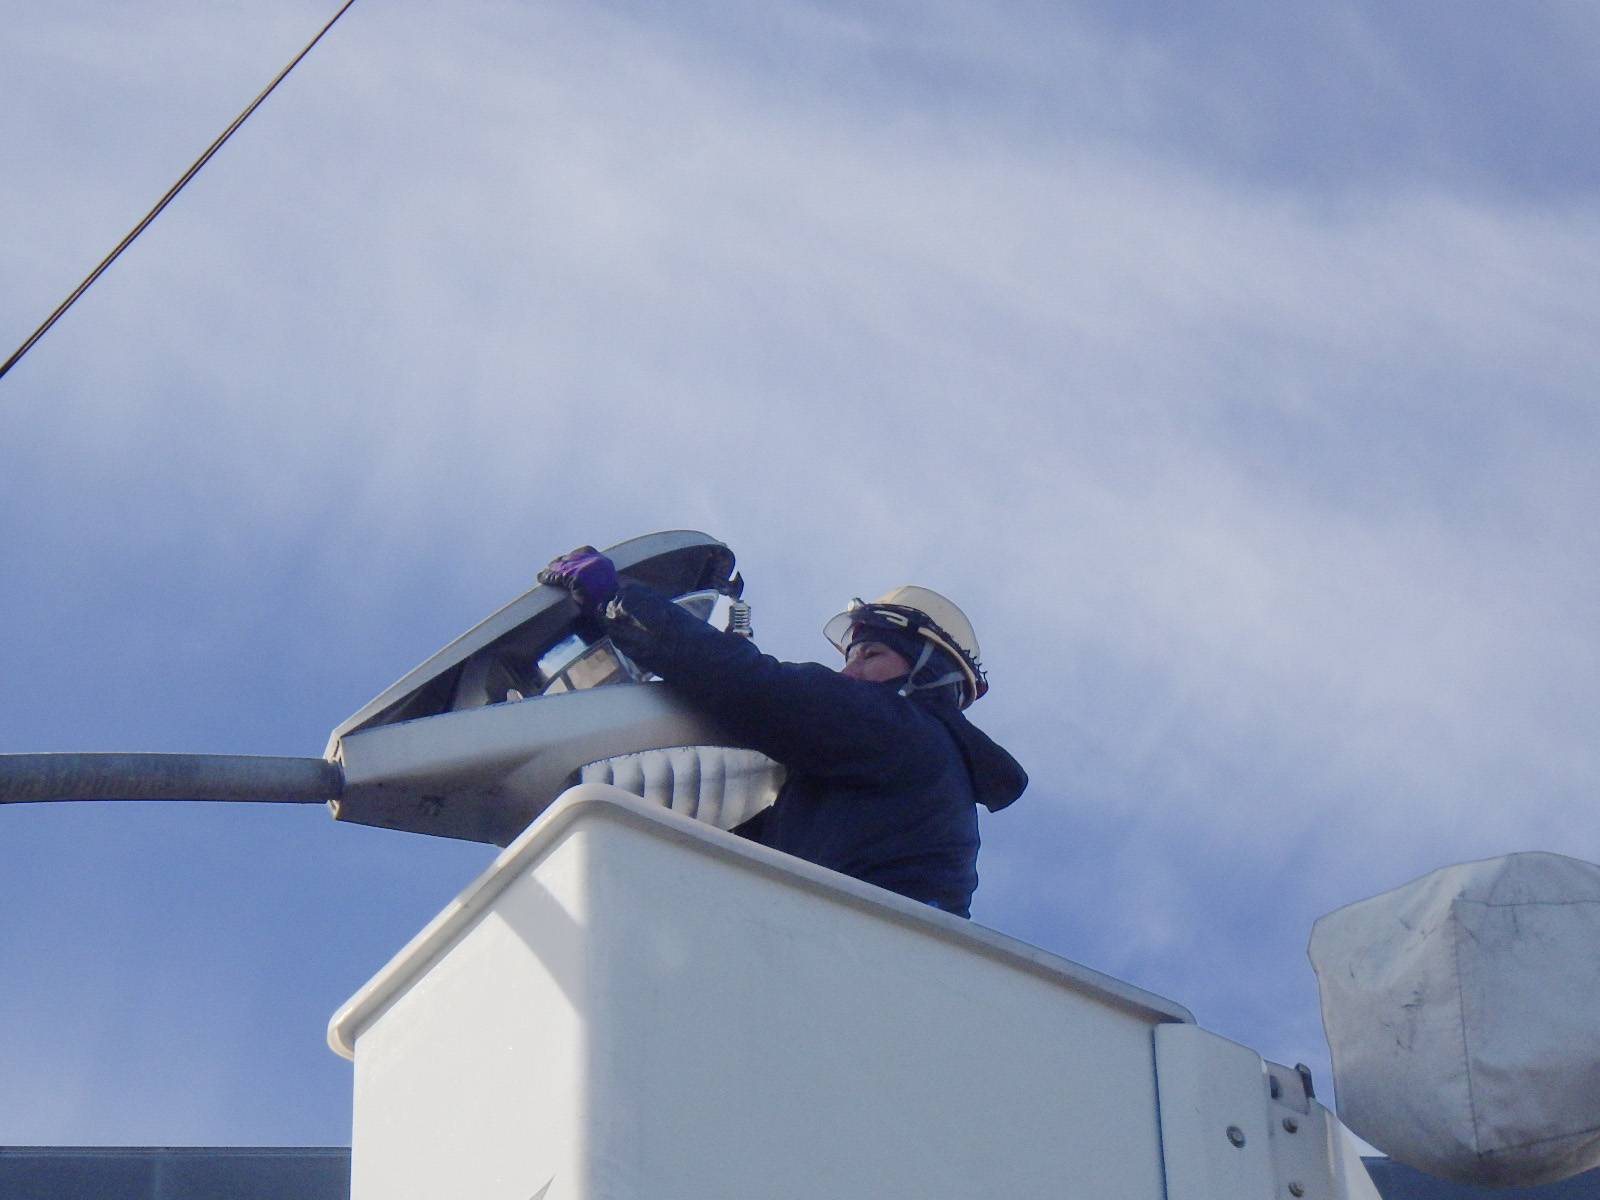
point(1463, 1013)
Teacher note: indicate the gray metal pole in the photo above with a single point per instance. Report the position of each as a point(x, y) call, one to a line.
point(43, 777)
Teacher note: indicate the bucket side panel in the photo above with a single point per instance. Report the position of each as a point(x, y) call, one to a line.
point(756, 1040)
point(471, 1084)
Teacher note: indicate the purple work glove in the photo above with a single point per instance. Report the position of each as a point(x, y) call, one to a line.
point(587, 574)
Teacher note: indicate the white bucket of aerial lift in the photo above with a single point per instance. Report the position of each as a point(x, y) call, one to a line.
point(632, 1005)
point(1461, 1012)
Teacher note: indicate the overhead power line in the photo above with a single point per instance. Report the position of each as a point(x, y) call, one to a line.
point(168, 198)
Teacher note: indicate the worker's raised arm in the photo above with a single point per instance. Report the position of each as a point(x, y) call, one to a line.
point(802, 714)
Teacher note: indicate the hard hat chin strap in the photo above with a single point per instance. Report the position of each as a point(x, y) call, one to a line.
point(911, 685)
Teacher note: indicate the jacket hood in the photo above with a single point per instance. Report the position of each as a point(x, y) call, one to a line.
point(997, 778)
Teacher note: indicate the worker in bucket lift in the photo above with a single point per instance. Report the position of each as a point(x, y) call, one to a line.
point(884, 773)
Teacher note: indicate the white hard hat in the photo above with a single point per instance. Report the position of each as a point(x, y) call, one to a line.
point(924, 613)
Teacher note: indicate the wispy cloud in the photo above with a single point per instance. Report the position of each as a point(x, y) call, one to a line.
point(1264, 471)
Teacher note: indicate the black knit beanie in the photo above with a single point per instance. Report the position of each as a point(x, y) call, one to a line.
point(907, 645)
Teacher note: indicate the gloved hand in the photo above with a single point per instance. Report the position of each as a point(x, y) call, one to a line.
point(587, 574)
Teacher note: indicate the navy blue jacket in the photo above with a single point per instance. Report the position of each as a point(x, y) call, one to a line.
point(880, 786)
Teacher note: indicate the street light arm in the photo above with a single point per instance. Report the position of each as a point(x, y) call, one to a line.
point(28, 778)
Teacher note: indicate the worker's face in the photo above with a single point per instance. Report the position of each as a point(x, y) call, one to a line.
point(874, 662)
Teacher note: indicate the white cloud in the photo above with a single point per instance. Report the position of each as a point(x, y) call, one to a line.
point(1274, 507)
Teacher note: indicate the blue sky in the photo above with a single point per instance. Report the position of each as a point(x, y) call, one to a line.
point(1233, 366)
